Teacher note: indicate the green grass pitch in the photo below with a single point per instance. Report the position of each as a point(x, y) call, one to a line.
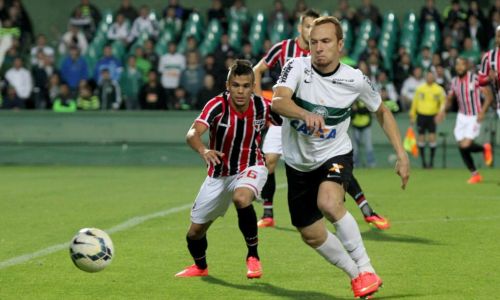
point(444, 241)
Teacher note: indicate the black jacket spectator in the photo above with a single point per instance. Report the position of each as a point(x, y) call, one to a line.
point(128, 11)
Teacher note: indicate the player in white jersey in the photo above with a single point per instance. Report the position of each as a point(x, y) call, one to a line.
point(314, 95)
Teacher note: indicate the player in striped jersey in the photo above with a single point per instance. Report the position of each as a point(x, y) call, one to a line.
point(490, 71)
point(466, 91)
point(236, 166)
point(279, 54)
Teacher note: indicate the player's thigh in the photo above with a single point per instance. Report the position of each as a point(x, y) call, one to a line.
point(248, 185)
point(212, 200)
point(302, 196)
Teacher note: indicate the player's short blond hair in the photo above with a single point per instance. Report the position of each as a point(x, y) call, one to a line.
point(332, 20)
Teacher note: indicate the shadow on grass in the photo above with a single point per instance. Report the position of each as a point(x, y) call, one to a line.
point(289, 229)
point(377, 235)
point(272, 290)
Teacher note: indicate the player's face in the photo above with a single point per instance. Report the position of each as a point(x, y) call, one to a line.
point(461, 67)
point(325, 48)
point(240, 88)
point(305, 29)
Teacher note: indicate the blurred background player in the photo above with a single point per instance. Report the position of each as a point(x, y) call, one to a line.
point(428, 101)
point(465, 90)
point(279, 54)
point(236, 167)
point(489, 72)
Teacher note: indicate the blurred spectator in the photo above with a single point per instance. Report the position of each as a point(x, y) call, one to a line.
point(20, 78)
point(216, 71)
point(371, 47)
point(495, 8)
point(494, 22)
point(41, 46)
point(223, 50)
point(171, 66)
point(130, 84)
point(207, 92)
point(11, 100)
point(191, 44)
point(279, 12)
point(429, 13)
point(144, 24)
point(90, 11)
point(374, 66)
point(110, 62)
point(455, 13)
point(246, 53)
point(346, 12)
point(152, 94)
point(64, 102)
point(20, 19)
point(476, 31)
point(410, 86)
point(83, 22)
point(119, 30)
point(300, 8)
point(217, 12)
point(424, 60)
point(42, 71)
point(181, 101)
point(361, 120)
point(239, 12)
point(128, 11)
point(53, 87)
point(73, 38)
point(402, 70)
point(383, 83)
point(9, 39)
point(150, 53)
point(143, 65)
point(86, 99)
point(443, 76)
point(179, 10)
point(192, 76)
point(170, 21)
point(12, 53)
point(368, 11)
point(475, 10)
point(457, 32)
point(451, 60)
point(448, 43)
point(108, 91)
point(471, 53)
point(73, 69)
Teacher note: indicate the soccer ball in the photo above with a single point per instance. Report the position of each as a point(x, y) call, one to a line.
point(91, 250)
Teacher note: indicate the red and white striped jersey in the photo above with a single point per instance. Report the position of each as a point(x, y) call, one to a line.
point(491, 61)
point(237, 135)
point(466, 90)
point(283, 51)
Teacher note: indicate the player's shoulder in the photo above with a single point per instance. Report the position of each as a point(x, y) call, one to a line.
point(352, 75)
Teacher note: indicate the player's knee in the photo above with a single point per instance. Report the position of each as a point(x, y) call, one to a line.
point(242, 198)
point(312, 240)
point(195, 233)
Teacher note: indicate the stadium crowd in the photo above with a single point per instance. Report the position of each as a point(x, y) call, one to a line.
point(134, 58)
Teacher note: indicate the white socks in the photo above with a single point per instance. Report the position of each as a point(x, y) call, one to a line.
point(333, 251)
point(348, 233)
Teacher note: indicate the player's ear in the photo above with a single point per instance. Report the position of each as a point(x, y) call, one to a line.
point(341, 45)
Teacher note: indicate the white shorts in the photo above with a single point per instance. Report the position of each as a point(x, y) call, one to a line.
point(466, 127)
point(215, 194)
point(272, 141)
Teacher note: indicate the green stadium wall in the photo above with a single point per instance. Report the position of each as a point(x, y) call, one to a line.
point(152, 138)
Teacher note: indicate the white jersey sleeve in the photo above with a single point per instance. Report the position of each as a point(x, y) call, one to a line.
point(368, 94)
point(290, 75)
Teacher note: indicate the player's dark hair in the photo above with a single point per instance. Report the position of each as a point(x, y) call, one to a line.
point(310, 13)
point(240, 67)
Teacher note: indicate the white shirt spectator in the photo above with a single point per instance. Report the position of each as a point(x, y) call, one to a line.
point(47, 51)
point(21, 80)
point(119, 30)
point(73, 38)
point(143, 25)
point(409, 87)
point(170, 68)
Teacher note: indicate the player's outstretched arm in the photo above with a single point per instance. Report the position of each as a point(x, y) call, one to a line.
point(284, 105)
point(193, 139)
point(390, 127)
point(259, 69)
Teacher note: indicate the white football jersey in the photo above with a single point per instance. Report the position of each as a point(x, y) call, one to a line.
point(330, 95)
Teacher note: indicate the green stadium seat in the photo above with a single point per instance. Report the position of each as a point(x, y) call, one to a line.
point(235, 33)
point(366, 31)
point(431, 37)
point(174, 26)
point(279, 31)
point(258, 32)
point(212, 37)
point(409, 33)
point(162, 43)
point(348, 35)
point(118, 49)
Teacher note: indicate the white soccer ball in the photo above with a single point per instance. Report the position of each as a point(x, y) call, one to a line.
point(91, 250)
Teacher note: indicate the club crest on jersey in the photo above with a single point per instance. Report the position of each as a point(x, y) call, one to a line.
point(259, 124)
point(321, 110)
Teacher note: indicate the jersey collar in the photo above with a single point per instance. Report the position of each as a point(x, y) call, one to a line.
point(326, 74)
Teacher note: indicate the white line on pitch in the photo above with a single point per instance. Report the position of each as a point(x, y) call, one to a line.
point(120, 227)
